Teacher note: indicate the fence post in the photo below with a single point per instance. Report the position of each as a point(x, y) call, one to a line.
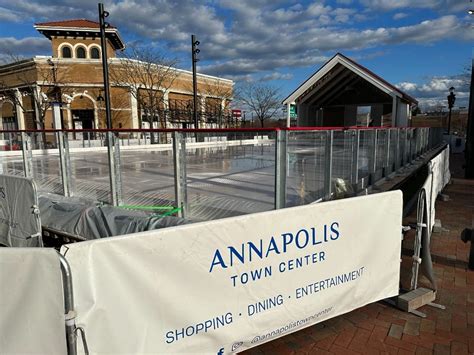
point(387, 169)
point(69, 312)
point(67, 158)
point(427, 139)
point(405, 146)
point(112, 179)
point(280, 168)
point(179, 159)
point(397, 161)
point(410, 146)
point(27, 155)
point(355, 158)
point(328, 168)
point(118, 171)
point(64, 162)
point(373, 157)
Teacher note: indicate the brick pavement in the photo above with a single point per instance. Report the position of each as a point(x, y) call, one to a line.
point(381, 329)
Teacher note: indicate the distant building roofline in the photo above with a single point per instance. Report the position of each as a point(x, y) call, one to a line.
point(339, 58)
point(79, 27)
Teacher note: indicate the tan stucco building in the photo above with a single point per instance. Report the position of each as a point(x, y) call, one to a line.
point(74, 73)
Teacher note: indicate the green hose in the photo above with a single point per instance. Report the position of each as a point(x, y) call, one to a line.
point(148, 208)
point(170, 209)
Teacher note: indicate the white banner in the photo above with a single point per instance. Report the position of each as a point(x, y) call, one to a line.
point(438, 177)
point(231, 284)
point(31, 302)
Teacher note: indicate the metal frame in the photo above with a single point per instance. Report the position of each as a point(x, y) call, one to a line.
point(117, 171)
point(65, 163)
point(410, 143)
point(355, 158)
point(27, 155)
point(69, 312)
point(180, 178)
point(328, 168)
point(280, 169)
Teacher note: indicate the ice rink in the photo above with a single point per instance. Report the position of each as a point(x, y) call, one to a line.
point(222, 180)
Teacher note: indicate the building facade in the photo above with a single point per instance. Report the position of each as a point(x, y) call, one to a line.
point(143, 94)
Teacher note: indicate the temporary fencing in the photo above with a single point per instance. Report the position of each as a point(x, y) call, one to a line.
point(438, 177)
point(231, 284)
point(32, 303)
point(211, 174)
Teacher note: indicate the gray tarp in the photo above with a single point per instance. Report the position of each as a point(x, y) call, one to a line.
point(90, 220)
point(20, 225)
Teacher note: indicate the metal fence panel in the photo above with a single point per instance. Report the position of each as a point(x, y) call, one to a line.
point(305, 177)
point(229, 173)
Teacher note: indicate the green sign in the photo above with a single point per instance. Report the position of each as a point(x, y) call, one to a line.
point(293, 111)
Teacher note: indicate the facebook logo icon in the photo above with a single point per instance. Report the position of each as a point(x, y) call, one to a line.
point(221, 351)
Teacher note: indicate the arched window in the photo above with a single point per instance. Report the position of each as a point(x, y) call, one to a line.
point(95, 54)
point(66, 52)
point(80, 52)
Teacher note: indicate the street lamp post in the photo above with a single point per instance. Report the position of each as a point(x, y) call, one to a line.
point(105, 67)
point(114, 195)
point(195, 51)
point(451, 101)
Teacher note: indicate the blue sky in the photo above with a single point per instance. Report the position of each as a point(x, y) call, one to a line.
point(422, 46)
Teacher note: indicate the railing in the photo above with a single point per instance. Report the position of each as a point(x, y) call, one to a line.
point(212, 174)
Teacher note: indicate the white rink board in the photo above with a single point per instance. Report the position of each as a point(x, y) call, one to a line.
point(31, 302)
point(178, 291)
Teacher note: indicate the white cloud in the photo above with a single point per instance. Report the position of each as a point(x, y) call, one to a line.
point(9, 16)
point(254, 36)
point(407, 86)
point(277, 76)
point(434, 90)
point(439, 5)
point(399, 15)
point(24, 46)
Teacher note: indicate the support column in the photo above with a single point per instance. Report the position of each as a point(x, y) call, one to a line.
point(280, 169)
point(328, 165)
point(179, 160)
point(222, 111)
point(355, 158)
point(288, 115)
point(134, 109)
point(20, 116)
point(69, 117)
point(36, 96)
point(394, 111)
point(202, 102)
point(166, 108)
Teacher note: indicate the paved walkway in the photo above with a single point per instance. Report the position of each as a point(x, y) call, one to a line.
point(382, 329)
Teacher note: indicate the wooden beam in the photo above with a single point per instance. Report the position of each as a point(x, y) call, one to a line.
point(343, 79)
point(316, 86)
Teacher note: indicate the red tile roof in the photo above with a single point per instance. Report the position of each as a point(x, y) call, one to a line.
point(84, 23)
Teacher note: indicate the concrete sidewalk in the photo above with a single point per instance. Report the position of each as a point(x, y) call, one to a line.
point(380, 329)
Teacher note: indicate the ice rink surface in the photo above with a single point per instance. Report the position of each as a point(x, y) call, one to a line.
point(222, 180)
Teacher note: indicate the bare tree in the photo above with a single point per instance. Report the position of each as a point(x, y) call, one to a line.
point(23, 84)
point(215, 91)
point(149, 74)
point(261, 99)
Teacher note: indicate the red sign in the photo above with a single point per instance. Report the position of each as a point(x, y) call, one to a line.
point(237, 113)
